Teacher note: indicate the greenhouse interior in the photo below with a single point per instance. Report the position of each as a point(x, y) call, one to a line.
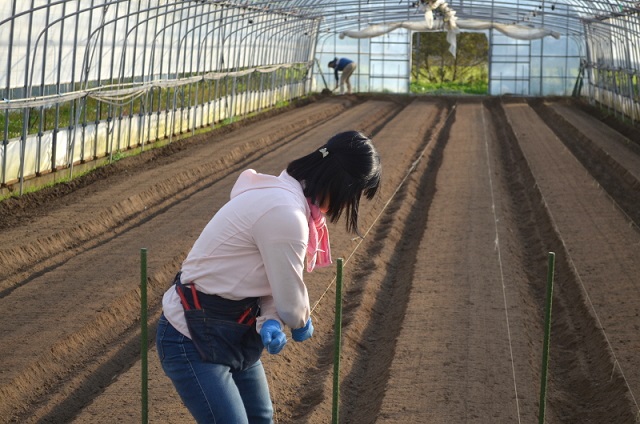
point(83, 80)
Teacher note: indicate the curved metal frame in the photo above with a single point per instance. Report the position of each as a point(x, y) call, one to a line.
point(607, 33)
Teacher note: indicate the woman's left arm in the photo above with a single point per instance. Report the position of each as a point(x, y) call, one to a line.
point(281, 236)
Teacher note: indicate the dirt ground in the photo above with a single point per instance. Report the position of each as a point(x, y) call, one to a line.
point(444, 297)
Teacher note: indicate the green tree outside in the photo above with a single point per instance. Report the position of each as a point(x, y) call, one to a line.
point(436, 70)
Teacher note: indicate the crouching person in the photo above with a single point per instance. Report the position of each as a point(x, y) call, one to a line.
point(241, 285)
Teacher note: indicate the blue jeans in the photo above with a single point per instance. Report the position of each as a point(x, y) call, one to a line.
point(213, 393)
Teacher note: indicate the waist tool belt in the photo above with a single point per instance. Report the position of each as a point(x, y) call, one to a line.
point(222, 330)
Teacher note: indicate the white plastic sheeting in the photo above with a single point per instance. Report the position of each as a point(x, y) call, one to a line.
point(520, 32)
point(58, 43)
point(34, 155)
point(118, 96)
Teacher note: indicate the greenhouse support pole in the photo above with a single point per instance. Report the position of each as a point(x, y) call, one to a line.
point(338, 342)
point(547, 336)
point(143, 336)
point(322, 74)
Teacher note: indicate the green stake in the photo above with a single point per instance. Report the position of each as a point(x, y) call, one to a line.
point(143, 335)
point(547, 337)
point(338, 342)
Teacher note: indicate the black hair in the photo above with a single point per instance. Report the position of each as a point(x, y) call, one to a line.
point(340, 172)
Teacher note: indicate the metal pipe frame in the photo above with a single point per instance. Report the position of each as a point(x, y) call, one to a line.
point(151, 28)
point(115, 44)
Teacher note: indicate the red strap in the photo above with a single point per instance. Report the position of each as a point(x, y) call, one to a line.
point(196, 302)
point(244, 316)
point(185, 304)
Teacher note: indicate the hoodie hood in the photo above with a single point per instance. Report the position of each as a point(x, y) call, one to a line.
point(318, 248)
point(252, 180)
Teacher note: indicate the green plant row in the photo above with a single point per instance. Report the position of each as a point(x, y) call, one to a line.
point(87, 109)
point(480, 88)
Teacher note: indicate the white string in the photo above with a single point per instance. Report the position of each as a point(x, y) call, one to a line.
point(593, 308)
point(497, 248)
point(586, 293)
point(411, 169)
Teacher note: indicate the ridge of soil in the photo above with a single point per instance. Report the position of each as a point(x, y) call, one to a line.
point(577, 364)
point(443, 297)
point(612, 176)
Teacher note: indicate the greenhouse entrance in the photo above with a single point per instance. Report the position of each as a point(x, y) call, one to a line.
point(436, 70)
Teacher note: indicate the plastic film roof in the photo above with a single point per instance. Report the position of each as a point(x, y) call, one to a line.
point(564, 17)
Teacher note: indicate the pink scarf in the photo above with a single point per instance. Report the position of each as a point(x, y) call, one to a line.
point(318, 249)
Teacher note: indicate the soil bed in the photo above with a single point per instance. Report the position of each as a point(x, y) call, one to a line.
point(443, 297)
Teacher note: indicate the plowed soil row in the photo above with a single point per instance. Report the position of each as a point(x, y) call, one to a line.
point(443, 298)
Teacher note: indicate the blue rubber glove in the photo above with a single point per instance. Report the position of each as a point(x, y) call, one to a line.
point(272, 336)
point(302, 334)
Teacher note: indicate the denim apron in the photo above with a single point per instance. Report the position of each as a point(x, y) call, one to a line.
point(223, 330)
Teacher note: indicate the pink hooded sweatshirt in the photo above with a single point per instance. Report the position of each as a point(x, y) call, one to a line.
point(255, 246)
